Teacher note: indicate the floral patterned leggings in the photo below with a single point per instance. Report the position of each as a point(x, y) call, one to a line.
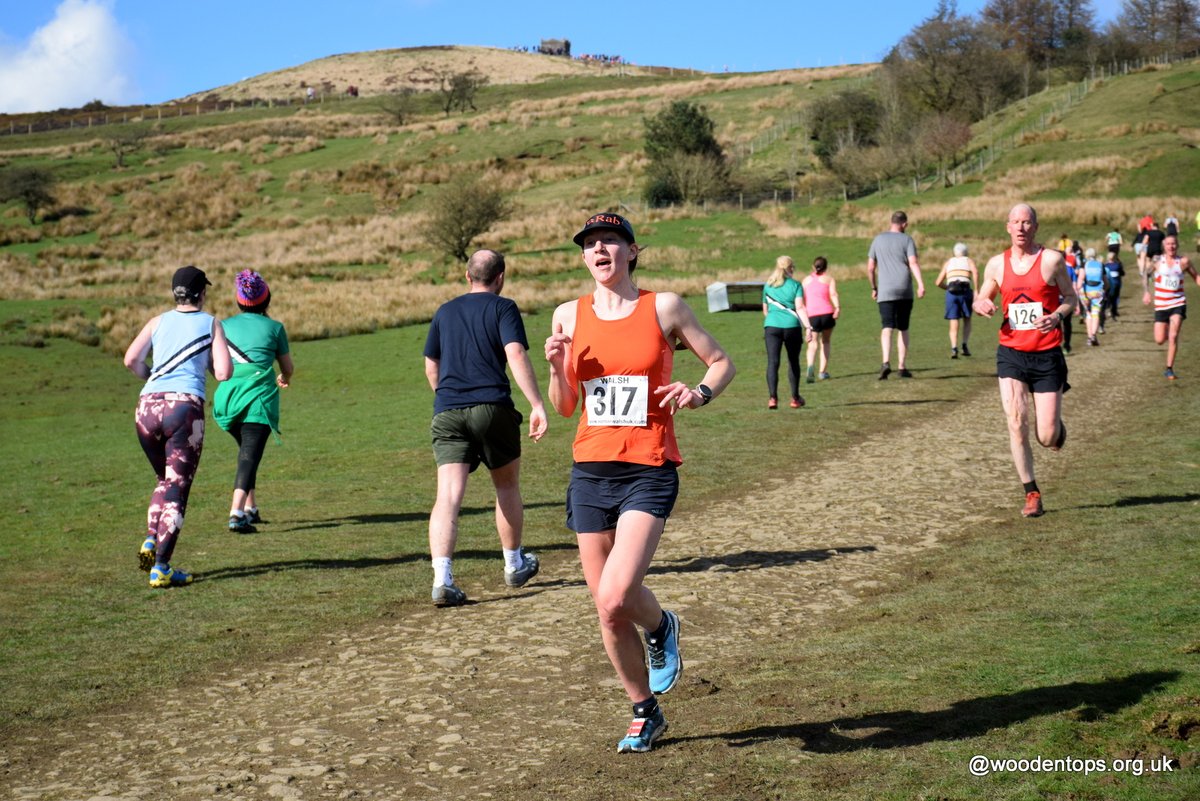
point(170, 427)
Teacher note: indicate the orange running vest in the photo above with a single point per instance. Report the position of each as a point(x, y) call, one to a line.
point(1029, 288)
point(605, 350)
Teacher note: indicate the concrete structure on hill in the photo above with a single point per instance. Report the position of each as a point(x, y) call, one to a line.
point(555, 47)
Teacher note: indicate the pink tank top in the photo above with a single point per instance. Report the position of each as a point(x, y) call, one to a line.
point(816, 298)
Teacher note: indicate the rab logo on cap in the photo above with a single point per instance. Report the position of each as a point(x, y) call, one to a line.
point(611, 219)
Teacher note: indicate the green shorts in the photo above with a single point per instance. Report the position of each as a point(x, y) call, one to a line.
point(487, 433)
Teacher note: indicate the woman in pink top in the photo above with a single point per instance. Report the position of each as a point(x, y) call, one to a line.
point(821, 302)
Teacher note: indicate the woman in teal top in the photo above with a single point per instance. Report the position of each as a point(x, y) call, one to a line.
point(247, 405)
point(784, 321)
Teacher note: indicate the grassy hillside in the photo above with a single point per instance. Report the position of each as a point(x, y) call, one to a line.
point(328, 200)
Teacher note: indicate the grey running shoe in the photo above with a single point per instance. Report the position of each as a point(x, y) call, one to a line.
point(824, 376)
point(642, 733)
point(666, 666)
point(885, 371)
point(521, 576)
point(448, 595)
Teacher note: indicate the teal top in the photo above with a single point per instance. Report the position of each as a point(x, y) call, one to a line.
point(251, 395)
point(785, 294)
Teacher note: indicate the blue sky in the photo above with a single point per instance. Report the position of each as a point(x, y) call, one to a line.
point(64, 53)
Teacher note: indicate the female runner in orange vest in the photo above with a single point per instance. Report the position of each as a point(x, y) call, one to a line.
point(611, 351)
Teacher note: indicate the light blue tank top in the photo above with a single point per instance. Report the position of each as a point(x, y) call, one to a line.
point(1093, 275)
point(182, 347)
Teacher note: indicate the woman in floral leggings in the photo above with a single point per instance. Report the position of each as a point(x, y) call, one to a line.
point(170, 413)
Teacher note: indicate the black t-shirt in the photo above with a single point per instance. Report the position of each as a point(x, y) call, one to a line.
point(467, 339)
point(1154, 240)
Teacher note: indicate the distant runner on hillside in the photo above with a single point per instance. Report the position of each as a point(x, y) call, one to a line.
point(1165, 284)
point(1036, 296)
point(892, 266)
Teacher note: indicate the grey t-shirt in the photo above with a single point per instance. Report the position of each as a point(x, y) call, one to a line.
point(891, 251)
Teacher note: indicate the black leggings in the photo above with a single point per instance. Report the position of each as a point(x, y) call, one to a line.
point(252, 441)
point(777, 339)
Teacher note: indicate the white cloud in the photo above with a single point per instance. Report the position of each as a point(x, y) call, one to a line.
point(80, 55)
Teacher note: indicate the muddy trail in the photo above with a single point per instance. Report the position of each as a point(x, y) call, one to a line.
point(449, 703)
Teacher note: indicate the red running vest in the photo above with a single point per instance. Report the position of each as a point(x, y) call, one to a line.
point(1024, 298)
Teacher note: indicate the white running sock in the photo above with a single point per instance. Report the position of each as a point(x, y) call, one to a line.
point(513, 560)
point(441, 572)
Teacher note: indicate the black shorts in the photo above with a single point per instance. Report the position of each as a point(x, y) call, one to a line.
point(600, 492)
point(1041, 371)
point(487, 433)
point(1165, 315)
point(895, 313)
point(822, 322)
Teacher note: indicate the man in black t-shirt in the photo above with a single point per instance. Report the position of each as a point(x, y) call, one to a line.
point(471, 340)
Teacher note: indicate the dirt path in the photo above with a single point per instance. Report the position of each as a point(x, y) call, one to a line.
point(444, 703)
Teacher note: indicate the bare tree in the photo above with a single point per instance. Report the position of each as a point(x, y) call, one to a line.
point(124, 141)
point(457, 90)
point(465, 208)
point(696, 176)
point(399, 105)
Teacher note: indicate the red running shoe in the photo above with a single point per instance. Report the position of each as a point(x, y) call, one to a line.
point(772, 403)
point(797, 402)
point(1033, 505)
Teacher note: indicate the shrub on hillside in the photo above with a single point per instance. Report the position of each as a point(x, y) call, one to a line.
point(464, 209)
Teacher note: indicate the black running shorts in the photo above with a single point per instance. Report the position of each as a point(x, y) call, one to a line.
point(1041, 371)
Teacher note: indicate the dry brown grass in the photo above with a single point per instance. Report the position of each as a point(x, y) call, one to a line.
point(382, 71)
point(1041, 178)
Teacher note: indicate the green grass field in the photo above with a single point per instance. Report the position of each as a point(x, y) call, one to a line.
point(1076, 637)
point(1096, 613)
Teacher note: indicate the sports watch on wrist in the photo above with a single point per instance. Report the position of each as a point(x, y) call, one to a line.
point(705, 393)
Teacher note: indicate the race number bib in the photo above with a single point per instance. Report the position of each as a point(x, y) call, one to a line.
point(1021, 316)
point(617, 400)
point(1172, 281)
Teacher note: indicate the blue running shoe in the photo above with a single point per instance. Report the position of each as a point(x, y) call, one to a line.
point(240, 524)
point(161, 579)
point(642, 733)
point(665, 664)
point(146, 556)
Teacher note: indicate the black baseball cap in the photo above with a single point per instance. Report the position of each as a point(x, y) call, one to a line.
point(605, 221)
point(191, 279)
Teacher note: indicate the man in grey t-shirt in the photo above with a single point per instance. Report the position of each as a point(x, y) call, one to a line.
point(891, 267)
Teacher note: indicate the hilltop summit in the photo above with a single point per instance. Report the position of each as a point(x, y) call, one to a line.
point(377, 72)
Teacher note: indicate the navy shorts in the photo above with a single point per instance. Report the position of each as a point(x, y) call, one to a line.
point(1041, 371)
point(1165, 315)
point(895, 313)
point(958, 307)
point(600, 492)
